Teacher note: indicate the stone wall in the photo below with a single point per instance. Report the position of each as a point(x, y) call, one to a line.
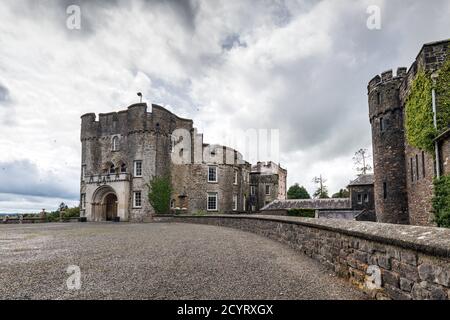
point(388, 141)
point(387, 261)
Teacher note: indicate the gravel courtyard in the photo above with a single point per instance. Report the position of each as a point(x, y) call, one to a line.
point(157, 261)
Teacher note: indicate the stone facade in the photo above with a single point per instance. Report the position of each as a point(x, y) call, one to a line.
point(122, 151)
point(268, 183)
point(386, 261)
point(403, 174)
point(359, 206)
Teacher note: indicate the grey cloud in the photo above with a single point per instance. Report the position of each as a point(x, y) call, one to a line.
point(232, 40)
point(24, 178)
point(4, 94)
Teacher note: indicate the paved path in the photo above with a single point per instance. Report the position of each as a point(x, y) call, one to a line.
point(157, 261)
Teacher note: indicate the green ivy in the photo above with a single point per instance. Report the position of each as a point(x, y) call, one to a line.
point(441, 201)
point(443, 95)
point(420, 130)
point(306, 213)
point(159, 193)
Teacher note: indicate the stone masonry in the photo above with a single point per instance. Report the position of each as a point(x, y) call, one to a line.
point(122, 151)
point(403, 174)
point(386, 261)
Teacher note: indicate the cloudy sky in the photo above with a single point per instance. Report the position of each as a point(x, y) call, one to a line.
point(298, 66)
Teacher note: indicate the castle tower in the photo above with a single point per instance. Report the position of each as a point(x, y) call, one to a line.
point(388, 141)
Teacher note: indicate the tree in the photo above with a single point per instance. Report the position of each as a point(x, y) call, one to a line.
point(297, 192)
point(343, 193)
point(159, 193)
point(361, 159)
point(322, 189)
point(62, 206)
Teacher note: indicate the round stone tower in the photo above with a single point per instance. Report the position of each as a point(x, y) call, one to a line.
point(388, 141)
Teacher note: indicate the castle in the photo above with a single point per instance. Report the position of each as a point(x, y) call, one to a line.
point(122, 151)
point(403, 173)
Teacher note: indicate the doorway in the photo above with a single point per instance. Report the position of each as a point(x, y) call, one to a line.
point(111, 206)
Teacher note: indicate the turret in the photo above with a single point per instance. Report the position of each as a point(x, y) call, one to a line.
point(89, 127)
point(137, 117)
point(388, 140)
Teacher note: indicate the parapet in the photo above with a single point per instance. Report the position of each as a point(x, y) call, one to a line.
point(135, 119)
point(386, 77)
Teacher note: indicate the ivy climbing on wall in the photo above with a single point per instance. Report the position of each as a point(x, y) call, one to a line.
point(441, 202)
point(420, 130)
point(443, 95)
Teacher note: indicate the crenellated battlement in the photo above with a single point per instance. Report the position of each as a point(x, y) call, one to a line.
point(135, 119)
point(387, 77)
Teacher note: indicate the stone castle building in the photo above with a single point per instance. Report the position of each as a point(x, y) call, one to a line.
point(358, 206)
point(122, 151)
point(404, 174)
point(267, 183)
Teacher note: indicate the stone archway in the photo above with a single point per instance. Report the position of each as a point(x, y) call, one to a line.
point(104, 204)
point(110, 202)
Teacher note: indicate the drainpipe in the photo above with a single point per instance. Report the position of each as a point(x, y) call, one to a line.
point(436, 145)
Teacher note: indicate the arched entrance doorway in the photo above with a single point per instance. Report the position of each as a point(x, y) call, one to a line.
point(105, 204)
point(110, 206)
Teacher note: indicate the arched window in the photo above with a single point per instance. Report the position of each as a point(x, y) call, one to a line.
point(172, 204)
point(123, 168)
point(112, 169)
point(115, 143)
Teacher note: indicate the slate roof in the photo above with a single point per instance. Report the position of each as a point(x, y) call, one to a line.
point(363, 180)
point(318, 204)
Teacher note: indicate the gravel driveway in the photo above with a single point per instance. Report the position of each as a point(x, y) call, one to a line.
point(157, 261)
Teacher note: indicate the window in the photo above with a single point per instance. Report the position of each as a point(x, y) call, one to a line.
point(235, 202)
point(381, 124)
point(212, 174)
point(83, 201)
point(112, 169)
point(138, 168)
point(359, 198)
point(83, 171)
point(423, 164)
point(244, 204)
point(115, 143)
point(378, 98)
point(123, 168)
point(172, 143)
point(366, 198)
point(411, 168)
point(252, 190)
point(235, 177)
point(267, 190)
point(384, 190)
point(417, 167)
point(137, 199)
point(212, 202)
point(172, 204)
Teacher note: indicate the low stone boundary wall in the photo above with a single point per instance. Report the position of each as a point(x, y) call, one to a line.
point(386, 261)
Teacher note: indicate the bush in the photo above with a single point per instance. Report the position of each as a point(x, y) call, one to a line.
point(305, 213)
point(441, 202)
point(71, 213)
point(159, 193)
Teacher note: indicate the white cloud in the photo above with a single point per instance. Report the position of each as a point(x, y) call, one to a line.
point(300, 66)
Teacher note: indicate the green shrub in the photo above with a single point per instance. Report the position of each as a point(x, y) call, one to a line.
point(159, 193)
point(71, 213)
point(306, 213)
point(441, 202)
